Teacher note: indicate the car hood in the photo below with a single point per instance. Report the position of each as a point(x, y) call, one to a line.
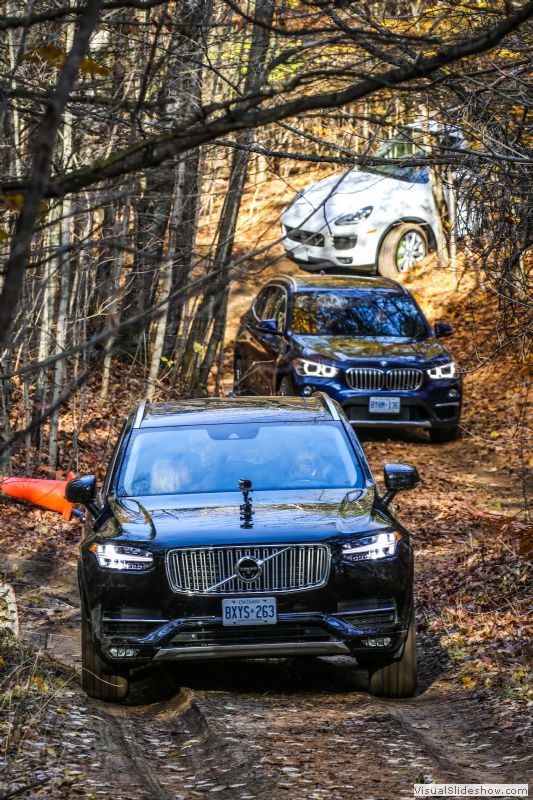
point(338, 194)
point(339, 348)
point(203, 520)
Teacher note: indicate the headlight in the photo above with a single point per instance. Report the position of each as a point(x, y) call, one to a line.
point(118, 556)
point(357, 216)
point(443, 371)
point(368, 548)
point(314, 369)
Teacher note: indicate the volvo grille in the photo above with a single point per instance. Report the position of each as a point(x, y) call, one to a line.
point(283, 568)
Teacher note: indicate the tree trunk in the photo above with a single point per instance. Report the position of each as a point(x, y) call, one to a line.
point(161, 326)
point(216, 293)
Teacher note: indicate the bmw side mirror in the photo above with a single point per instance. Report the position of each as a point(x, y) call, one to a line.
point(83, 492)
point(443, 329)
point(268, 326)
point(398, 477)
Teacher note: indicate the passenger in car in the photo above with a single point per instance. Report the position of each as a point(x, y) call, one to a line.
point(169, 476)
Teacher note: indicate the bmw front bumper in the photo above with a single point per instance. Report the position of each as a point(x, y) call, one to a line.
point(434, 405)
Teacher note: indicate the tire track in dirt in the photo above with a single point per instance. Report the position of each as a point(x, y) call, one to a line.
point(173, 750)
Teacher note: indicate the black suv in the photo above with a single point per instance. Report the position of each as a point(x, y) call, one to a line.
point(363, 340)
point(242, 528)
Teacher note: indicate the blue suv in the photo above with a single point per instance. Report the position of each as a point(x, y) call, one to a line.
point(363, 340)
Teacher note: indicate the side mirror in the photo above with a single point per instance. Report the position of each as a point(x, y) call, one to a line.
point(268, 326)
point(83, 491)
point(443, 329)
point(397, 478)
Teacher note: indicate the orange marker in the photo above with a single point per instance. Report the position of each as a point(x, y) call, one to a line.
point(44, 493)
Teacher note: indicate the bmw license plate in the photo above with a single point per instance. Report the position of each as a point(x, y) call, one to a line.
point(249, 611)
point(384, 405)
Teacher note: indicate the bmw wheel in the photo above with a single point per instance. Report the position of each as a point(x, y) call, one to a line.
point(403, 247)
point(286, 387)
point(442, 435)
point(238, 376)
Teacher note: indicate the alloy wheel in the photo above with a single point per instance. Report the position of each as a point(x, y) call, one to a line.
point(411, 249)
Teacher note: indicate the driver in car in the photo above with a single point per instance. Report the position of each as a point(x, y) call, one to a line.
point(305, 467)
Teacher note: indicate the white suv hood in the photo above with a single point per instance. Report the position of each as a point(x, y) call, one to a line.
point(320, 204)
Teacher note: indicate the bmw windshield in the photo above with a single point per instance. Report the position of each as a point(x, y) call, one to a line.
point(214, 458)
point(353, 313)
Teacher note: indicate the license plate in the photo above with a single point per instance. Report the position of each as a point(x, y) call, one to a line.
point(384, 405)
point(249, 611)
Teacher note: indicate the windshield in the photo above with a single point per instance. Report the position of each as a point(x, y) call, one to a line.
point(398, 148)
point(352, 313)
point(213, 458)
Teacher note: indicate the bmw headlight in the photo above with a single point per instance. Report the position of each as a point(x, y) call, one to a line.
point(448, 370)
point(357, 216)
point(314, 369)
point(123, 557)
point(369, 548)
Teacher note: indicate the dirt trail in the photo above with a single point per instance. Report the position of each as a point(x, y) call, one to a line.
point(283, 728)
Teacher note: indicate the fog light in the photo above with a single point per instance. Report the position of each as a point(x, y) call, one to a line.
point(307, 391)
point(380, 641)
point(123, 652)
point(453, 393)
point(345, 260)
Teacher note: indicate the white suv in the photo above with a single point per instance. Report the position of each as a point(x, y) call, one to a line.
point(381, 220)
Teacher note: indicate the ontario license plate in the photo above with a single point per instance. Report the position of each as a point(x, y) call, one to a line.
point(249, 611)
point(384, 405)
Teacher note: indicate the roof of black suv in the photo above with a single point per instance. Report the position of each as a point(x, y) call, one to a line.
point(310, 282)
point(218, 410)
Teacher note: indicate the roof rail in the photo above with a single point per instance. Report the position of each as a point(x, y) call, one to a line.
point(139, 415)
point(328, 403)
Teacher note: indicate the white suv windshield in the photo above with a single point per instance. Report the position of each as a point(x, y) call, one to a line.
point(213, 458)
point(395, 150)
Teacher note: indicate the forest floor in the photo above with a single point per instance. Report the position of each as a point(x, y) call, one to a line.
point(303, 728)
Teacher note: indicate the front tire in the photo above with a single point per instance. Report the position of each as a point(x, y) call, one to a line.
point(442, 435)
point(95, 681)
point(238, 376)
point(402, 248)
point(286, 387)
point(396, 678)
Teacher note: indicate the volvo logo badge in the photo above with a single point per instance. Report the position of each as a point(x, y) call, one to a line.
point(248, 569)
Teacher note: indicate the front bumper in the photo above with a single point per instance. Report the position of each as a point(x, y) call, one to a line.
point(428, 407)
point(361, 602)
point(341, 249)
point(367, 632)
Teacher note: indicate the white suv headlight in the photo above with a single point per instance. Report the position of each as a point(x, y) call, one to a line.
point(369, 548)
point(314, 369)
point(123, 557)
point(448, 370)
point(355, 217)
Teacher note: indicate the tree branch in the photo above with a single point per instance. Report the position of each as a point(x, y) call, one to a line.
point(154, 151)
point(44, 144)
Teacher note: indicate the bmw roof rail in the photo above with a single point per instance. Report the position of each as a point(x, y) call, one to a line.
point(139, 415)
point(328, 403)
